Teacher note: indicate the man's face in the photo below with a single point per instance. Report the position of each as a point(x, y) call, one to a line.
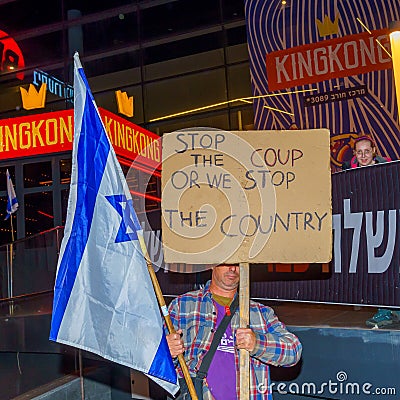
point(364, 153)
point(226, 277)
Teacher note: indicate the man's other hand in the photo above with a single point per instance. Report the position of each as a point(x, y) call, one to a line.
point(245, 339)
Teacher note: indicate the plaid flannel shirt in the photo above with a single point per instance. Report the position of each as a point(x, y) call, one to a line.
point(195, 314)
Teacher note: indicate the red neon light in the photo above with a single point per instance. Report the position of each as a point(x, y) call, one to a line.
point(45, 214)
point(11, 57)
point(136, 166)
point(53, 133)
point(147, 196)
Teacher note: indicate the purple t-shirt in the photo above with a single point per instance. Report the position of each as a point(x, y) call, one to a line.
point(221, 376)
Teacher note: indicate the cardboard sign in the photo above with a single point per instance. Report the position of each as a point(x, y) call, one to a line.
point(248, 196)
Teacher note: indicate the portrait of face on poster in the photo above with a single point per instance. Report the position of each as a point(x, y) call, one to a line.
point(330, 66)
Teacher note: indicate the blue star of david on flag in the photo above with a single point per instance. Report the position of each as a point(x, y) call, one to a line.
point(129, 223)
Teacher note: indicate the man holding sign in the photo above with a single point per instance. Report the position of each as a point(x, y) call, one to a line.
point(233, 198)
point(196, 317)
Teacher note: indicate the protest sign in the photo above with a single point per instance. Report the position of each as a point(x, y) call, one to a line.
point(248, 196)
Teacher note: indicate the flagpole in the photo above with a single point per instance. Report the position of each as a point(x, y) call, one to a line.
point(11, 291)
point(166, 315)
point(12, 206)
point(12, 228)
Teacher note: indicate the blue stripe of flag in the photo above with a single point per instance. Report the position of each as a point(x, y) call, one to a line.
point(89, 179)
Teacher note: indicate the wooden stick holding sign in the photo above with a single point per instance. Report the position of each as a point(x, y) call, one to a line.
point(244, 303)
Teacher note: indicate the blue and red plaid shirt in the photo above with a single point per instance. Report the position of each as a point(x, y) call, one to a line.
point(195, 314)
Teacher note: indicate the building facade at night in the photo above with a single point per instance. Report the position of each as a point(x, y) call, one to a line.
point(169, 57)
point(158, 66)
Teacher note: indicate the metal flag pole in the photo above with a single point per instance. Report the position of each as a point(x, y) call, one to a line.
point(11, 269)
point(12, 228)
point(166, 315)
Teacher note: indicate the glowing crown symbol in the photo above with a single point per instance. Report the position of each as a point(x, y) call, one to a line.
point(328, 27)
point(32, 99)
point(125, 103)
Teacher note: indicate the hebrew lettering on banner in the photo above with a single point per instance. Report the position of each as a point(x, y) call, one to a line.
point(355, 221)
point(365, 268)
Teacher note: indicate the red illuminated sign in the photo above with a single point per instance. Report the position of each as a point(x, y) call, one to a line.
point(328, 59)
point(10, 55)
point(132, 141)
point(53, 133)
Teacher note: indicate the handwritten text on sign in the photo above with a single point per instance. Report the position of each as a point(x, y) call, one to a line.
point(254, 196)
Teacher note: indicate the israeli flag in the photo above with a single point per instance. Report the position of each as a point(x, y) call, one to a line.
point(104, 301)
point(12, 202)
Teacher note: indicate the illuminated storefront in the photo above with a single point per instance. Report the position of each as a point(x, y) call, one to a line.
point(36, 150)
point(195, 64)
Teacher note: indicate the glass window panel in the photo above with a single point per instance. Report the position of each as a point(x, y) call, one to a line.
point(38, 212)
point(132, 178)
point(106, 34)
point(236, 35)
point(3, 276)
point(233, 10)
point(151, 205)
point(106, 65)
point(3, 180)
point(38, 174)
point(182, 48)
point(22, 15)
point(64, 204)
point(43, 49)
point(178, 16)
point(34, 264)
point(65, 171)
point(125, 168)
point(137, 202)
point(90, 7)
point(153, 193)
point(153, 187)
